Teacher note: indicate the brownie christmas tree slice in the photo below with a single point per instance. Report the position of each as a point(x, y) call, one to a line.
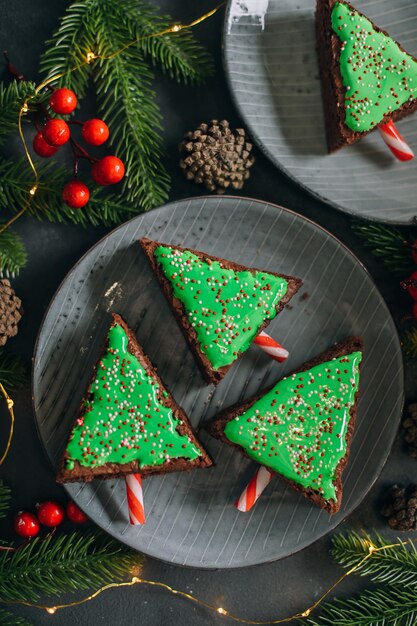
point(221, 306)
point(367, 77)
point(301, 428)
point(128, 422)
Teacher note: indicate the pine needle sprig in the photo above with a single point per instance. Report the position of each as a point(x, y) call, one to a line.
point(179, 55)
point(9, 619)
point(69, 45)
point(123, 83)
point(388, 244)
point(125, 97)
point(12, 253)
point(12, 97)
point(5, 497)
point(67, 563)
point(13, 372)
point(409, 344)
point(16, 179)
point(374, 607)
point(392, 566)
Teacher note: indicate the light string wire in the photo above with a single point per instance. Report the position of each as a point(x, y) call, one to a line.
point(372, 550)
point(9, 404)
point(89, 58)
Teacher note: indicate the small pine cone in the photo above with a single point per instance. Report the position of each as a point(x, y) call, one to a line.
point(216, 156)
point(10, 311)
point(401, 507)
point(410, 430)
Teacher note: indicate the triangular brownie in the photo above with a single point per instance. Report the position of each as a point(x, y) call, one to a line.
point(220, 306)
point(367, 77)
point(128, 422)
point(301, 428)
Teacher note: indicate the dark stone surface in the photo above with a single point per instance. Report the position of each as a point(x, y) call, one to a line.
point(263, 592)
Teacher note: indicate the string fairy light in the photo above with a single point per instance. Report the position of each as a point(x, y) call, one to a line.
point(9, 404)
point(136, 580)
point(89, 58)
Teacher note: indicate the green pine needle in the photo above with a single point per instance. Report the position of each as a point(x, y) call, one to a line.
point(387, 243)
point(12, 253)
point(123, 83)
point(409, 344)
point(9, 619)
point(5, 496)
point(16, 179)
point(13, 373)
point(67, 563)
point(12, 97)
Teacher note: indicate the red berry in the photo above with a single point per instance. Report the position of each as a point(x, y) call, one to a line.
point(26, 525)
point(75, 194)
point(42, 148)
point(75, 514)
point(50, 513)
point(411, 286)
point(56, 132)
point(95, 132)
point(108, 171)
point(63, 101)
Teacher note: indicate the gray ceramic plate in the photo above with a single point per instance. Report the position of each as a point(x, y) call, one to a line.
point(272, 69)
point(191, 519)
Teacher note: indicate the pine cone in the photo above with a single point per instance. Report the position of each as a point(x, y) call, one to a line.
point(216, 156)
point(10, 311)
point(410, 430)
point(401, 507)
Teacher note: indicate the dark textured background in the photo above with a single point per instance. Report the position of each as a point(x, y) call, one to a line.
point(264, 592)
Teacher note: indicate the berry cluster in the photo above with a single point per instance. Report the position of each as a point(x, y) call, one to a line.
point(56, 133)
point(411, 283)
point(50, 514)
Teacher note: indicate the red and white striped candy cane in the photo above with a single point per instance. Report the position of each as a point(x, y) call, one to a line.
point(135, 499)
point(395, 141)
point(271, 347)
point(255, 487)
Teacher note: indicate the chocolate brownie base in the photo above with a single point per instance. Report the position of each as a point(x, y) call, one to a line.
point(81, 473)
point(217, 426)
point(333, 90)
point(211, 375)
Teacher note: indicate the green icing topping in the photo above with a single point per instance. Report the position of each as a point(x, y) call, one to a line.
point(379, 77)
point(124, 418)
point(299, 427)
point(225, 308)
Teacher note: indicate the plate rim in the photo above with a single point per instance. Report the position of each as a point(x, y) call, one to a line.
point(168, 205)
point(274, 160)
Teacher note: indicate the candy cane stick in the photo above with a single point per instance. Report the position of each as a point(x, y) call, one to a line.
point(395, 141)
point(135, 499)
point(254, 488)
point(271, 347)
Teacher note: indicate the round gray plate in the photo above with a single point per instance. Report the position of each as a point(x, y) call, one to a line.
point(271, 64)
point(191, 518)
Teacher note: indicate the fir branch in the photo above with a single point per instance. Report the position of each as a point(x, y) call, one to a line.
point(12, 97)
point(123, 82)
point(409, 344)
point(69, 45)
point(57, 565)
point(5, 496)
point(126, 98)
point(9, 619)
point(16, 179)
point(13, 373)
point(394, 566)
point(380, 607)
point(178, 54)
point(388, 244)
point(12, 253)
